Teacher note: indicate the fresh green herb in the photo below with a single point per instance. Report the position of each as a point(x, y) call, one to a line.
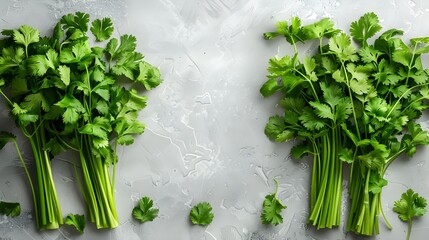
point(66, 95)
point(354, 104)
point(272, 208)
point(10, 209)
point(410, 205)
point(77, 221)
point(201, 214)
point(144, 211)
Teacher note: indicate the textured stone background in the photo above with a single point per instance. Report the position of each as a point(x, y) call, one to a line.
point(204, 139)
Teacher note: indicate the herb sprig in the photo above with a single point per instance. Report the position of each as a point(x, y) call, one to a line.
point(410, 206)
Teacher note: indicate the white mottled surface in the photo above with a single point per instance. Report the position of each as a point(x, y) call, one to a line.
point(204, 139)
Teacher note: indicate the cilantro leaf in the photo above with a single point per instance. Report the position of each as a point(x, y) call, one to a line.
point(376, 183)
point(410, 205)
point(78, 21)
point(320, 29)
point(64, 74)
point(148, 75)
point(26, 35)
point(341, 46)
point(275, 126)
point(77, 221)
point(144, 211)
point(310, 120)
point(366, 27)
point(201, 214)
point(272, 208)
point(270, 87)
point(102, 29)
point(10, 209)
point(127, 45)
point(301, 150)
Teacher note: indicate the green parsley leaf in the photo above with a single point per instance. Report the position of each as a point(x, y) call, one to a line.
point(272, 208)
point(64, 74)
point(144, 211)
point(127, 45)
point(341, 46)
point(270, 87)
point(410, 205)
point(77, 221)
point(346, 155)
point(10, 209)
point(102, 29)
point(201, 214)
point(301, 150)
point(26, 35)
point(148, 75)
point(366, 27)
point(376, 183)
point(78, 21)
point(275, 126)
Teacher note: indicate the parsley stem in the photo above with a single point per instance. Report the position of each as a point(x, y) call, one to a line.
point(402, 96)
point(5, 97)
point(33, 193)
point(315, 95)
point(351, 99)
point(384, 216)
point(409, 65)
point(410, 226)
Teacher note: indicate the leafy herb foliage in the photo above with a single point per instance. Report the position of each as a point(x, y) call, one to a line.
point(272, 208)
point(77, 221)
point(410, 205)
point(144, 211)
point(65, 94)
point(201, 214)
point(10, 209)
point(350, 102)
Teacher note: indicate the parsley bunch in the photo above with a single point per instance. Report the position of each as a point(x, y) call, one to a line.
point(67, 95)
point(349, 103)
point(30, 96)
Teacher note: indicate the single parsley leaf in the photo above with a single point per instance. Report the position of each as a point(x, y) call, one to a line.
point(272, 208)
point(148, 75)
point(26, 35)
point(77, 221)
point(341, 46)
point(274, 127)
point(127, 45)
point(144, 211)
point(366, 27)
point(201, 214)
point(64, 74)
point(10, 209)
point(410, 205)
point(102, 29)
point(72, 22)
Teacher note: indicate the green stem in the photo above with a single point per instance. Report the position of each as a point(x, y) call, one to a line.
point(410, 226)
point(351, 99)
point(402, 96)
point(384, 216)
point(409, 67)
point(33, 193)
